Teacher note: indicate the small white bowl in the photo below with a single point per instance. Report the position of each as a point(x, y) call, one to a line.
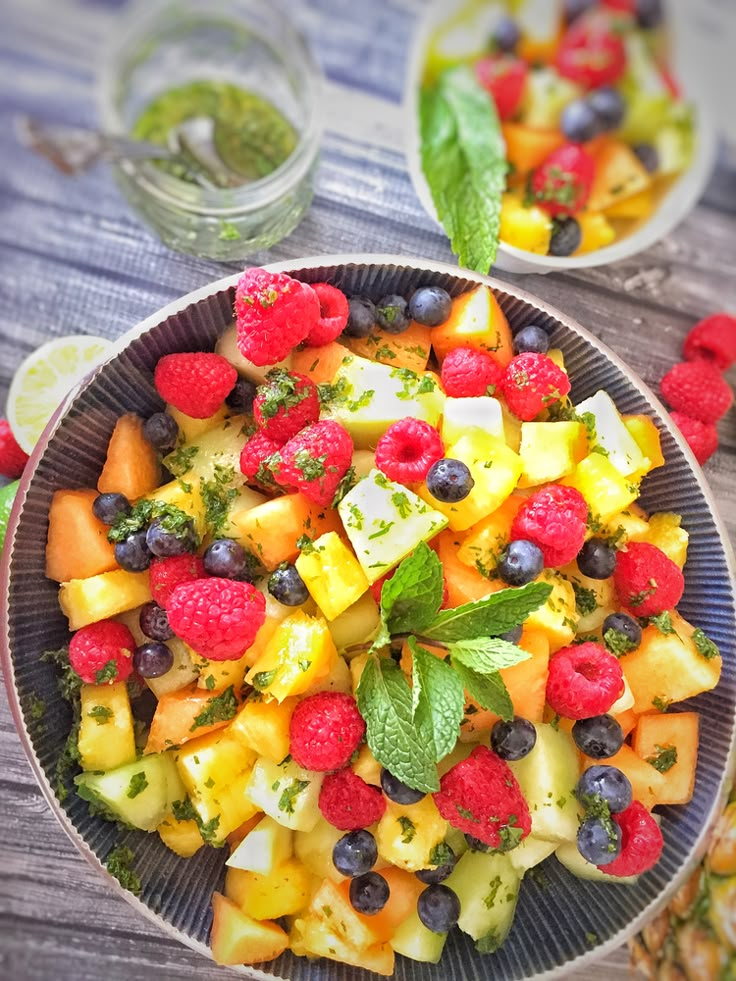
point(674, 207)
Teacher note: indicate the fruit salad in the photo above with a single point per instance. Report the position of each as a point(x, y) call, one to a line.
point(556, 126)
point(370, 604)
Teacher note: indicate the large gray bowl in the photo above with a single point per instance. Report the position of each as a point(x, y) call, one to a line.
point(553, 921)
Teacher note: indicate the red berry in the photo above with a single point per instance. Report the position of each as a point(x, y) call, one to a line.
point(583, 680)
point(466, 373)
point(166, 574)
point(713, 339)
point(702, 437)
point(591, 53)
point(255, 457)
point(196, 384)
point(531, 383)
point(647, 581)
point(349, 803)
point(561, 183)
point(504, 78)
point(554, 518)
point(333, 315)
point(325, 731)
point(697, 389)
point(218, 618)
point(102, 652)
point(274, 313)
point(377, 586)
point(407, 450)
point(285, 404)
point(481, 796)
point(12, 458)
point(641, 842)
point(314, 461)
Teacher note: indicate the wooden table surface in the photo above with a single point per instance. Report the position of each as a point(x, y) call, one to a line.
point(74, 259)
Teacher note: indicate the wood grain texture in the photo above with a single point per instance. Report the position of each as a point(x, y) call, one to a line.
point(74, 259)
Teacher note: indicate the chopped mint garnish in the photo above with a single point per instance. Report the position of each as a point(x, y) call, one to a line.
point(218, 495)
point(173, 520)
point(118, 864)
point(586, 601)
point(180, 461)
point(290, 794)
point(617, 642)
point(705, 646)
point(408, 829)
point(663, 623)
point(108, 673)
point(664, 759)
point(138, 784)
point(219, 708)
point(101, 713)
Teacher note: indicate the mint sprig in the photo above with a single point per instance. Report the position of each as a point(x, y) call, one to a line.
point(411, 598)
point(494, 615)
point(438, 699)
point(488, 690)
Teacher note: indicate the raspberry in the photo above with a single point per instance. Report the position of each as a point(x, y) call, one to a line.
point(702, 437)
point(481, 796)
point(466, 372)
point(218, 618)
point(333, 315)
point(325, 731)
point(561, 183)
point(591, 52)
point(647, 581)
point(12, 458)
point(714, 340)
point(274, 313)
point(531, 383)
point(584, 680)
point(166, 574)
point(554, 519)
point(504, 78)
point(254, 459)
point(196, 384)
point(102, 652)
point(349, 803)
point(697, 389)
point(315, 461)
point(285, 404)
point(641, 842)
point(408, 449)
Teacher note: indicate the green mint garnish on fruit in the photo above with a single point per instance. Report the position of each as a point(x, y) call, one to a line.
point(173, 520)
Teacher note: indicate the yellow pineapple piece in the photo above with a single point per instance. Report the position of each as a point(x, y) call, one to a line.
point(264, 847)
point(101, 597)
point(191, 428)
point(594, 598)
point(106, 735)
point(332, 574)
point(300, 653)
point(605, 489)
point(217, 675)
point(283, 892)
point(186, 496)
point(367, 766)
point(558, 617)
point(407, 833)
point(550, 450)
point(182, 837)
point(484, 544)
point(597, 232)
point(263, 726)
point(313, 937)
point(525, 228)
point(666, 532)
point(629, 525)
point(239, 939)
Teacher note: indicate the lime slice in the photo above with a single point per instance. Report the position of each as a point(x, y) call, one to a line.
point(45, 377)
point(7, 496)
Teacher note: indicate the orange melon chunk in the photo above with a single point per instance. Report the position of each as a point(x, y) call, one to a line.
point(675, 733)
point(647, 783)
point(131, 467)
point(175, 716)
point(464, 584)
point(527, 147)
point(77, 545)
point(410, 349)
point(319, 363)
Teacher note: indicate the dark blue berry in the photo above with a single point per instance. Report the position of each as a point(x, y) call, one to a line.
point(439, 874)
point(242, 396)
point(576, 8)
point(649, 13)
point(605, 782)
point(392, 314)
point(397, 791)
point(164, 543)
point(355, 853)
point(438, 908)
point(513, 740)
point(648, 156)
point(506, 35)
point(521, 563)
point(513, 636)
point(225, 558)
point(566, 237)
point(596, 559)
point(133, 554)
point(627, 636)
point(430, 305)
point(578, 121)
point(599, 737)
point(531, 338)
point(476, 845)
point(369, 893)
point(449, 481)
point(152, 660)
point(161, 431)
point(287, 586)
point(609, 107)
point(107, 508)
point(599, 842)
point(154, 622)
point(361, 317)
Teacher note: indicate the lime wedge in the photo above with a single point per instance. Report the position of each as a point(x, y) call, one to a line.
point(45, 377)
point(7, 496)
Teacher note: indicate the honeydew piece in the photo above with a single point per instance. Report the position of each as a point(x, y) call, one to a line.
point(547, 777)
point(568, 855)
point(286, 792)
point(530, 852)
point(481, 413)
point(214, 455)
point(227, 347)
point(140, 794)
point(332, 574)
point(263, 848)
point(610, 435)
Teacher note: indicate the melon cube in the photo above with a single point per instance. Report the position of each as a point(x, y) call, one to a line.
point(609, 435)
point(647, 784)
point(548, 776)
point(671, 742)
point(332, 574)
point(484, 544)
point(77, 545)
point(359, 624)
point(481, 413)
point(227, 347)
point(213, 456)
point(239, 939)
point(263, 848)
point(286, 792)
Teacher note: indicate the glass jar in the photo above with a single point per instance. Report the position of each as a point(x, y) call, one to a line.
point(248, 43)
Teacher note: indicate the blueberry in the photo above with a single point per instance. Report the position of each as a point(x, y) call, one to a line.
point(392, 315)
point(430, 305)
point(438, 908)
point(164, 543)
point(579, 122)
point(361, 317)
point(133, 554)
point(533, 339)
point(161, 431)
point(599, 842)
point(566, 236)
point(154, 622)
point(476, 845)
point(521, 563)
point(576, 8)
point(605, 782)
point(513, 636)
point(625, 633)
point(225, 558)
point(439, 874)
point(152, 660)
point(287, 586)
point(506, 36)
point(609, 107)
point(599, 737)
point(369, 893)
point(242, 396)
point(355, 853)
point(449, 481)
point(649, 13)
point(397, 791)
point(648, 156)
point(596, 559)
point(513, 740)
point(108, 507)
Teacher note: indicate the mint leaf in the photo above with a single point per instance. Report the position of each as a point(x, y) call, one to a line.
point(411, 598)
point(464, 162)
point(385, 702)
point(488, 690)
point(487, 654)
point(438, 699)
point(491, 616)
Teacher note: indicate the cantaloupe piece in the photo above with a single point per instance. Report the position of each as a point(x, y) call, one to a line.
point(175, 716)
point(639, 205)
point(464, 584)
point(77, 545)
point(476, 321)
point(319, 363)
point(405, 890)
point(131, 467)
point(485, 542)
point(619, 174)
point(239, 939)
point(527, 147)
point(647, 784)
point(409, 349)
point(676, 731)
point(626, 719)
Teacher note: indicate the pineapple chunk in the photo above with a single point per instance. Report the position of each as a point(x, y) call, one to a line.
point(218, 675)
point(286, 792)
point(186, 497)
point(100, 597)
point(332, 574)
point(610, 435)
point(214, 456)
point(191, 428)
point(263, 848)
point(314, 848)
point(665, 531)
point(549, 450)
point(605, 489)
point(300, 654)
point(317, 938)
point(357, 625)
point(282, 892)
point(182, 837)
point(594, 598)
point(484, 544)
point(558, 617)
point(182, 671)
point(367, 766)
point(407, 833)
point(331, 906)
point(529, 229)
point(239, 939)
point(106, 735)
point(263, 726)
point(461, 417)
